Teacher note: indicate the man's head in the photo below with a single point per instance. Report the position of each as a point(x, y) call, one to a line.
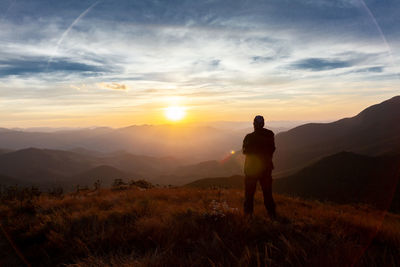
point(258, 122)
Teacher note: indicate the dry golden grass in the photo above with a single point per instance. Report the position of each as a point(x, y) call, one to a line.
point(190, 227)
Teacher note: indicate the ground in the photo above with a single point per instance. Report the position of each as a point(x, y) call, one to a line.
point(197, 227)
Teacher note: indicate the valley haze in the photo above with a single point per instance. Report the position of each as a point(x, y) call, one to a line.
point(178, 154)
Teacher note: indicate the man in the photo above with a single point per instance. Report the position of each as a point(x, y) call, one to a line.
point(259, 147)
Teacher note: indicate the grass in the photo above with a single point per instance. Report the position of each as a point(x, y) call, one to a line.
point(192, 227)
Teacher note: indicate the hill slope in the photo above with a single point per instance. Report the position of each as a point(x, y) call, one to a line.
point(48, 168)
point(232, 165)
point(43, 166)
point(374, 131)
point(343, 178)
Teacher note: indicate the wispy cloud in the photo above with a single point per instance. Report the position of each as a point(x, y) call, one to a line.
point(114, 86)
point(34, 65)
point(319, 64)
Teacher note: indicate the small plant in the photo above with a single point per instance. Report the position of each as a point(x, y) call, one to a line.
point(141, 184)
point(97, 185)
point(119, 184)
point(19, 193)
point(56, 192)
point(218, 210)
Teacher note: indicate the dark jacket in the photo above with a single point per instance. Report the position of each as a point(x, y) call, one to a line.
point(259, 147)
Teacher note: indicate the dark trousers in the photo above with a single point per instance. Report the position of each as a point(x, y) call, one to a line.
point(250, 183)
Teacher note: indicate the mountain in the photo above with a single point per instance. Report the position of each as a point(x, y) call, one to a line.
point(4, 130)
point(374, 131)
point(48, 167)
point(347, 177)
point(146, 150)
point(26, 162)
point(8, 181)
point(344, 177)
point(59, 140)
point(43, 166)
point(3, 151)
point(231, 165)
point(144, 166)
point(186, 142)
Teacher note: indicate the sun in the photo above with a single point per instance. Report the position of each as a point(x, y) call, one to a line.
point(175, 113)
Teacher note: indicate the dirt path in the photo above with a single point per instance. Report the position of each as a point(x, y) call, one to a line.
point(8, 255)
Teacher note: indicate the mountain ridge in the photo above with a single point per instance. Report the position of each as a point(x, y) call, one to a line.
point(373, 131)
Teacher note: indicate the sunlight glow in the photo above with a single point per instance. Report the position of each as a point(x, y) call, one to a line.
point(175, 113)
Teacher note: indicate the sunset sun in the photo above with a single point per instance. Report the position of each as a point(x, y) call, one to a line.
point(175, 113)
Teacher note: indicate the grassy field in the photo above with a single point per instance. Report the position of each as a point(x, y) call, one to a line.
point(196, 227)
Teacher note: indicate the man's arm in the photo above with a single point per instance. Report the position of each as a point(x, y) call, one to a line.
point(273, 143)
point(245, 145)
point(269, 144)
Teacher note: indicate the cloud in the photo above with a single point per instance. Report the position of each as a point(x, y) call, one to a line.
point(36, 65)
point(376, 69)
point(80, 87)
point(320, 64)
point(114, 86)
point(261, 59)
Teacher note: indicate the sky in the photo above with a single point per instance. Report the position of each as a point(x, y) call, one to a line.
point(122, 62)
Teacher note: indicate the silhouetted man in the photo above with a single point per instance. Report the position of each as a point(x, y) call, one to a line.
point(259, 147)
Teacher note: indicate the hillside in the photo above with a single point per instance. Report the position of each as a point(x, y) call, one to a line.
point(343, 178)
point(3, 151)
point(192, 227)
point(52, 168)
point(42, 166)
point(8, 181)
point(145, 166)
point(374, 131)
point(231, 165)
point(347, 178)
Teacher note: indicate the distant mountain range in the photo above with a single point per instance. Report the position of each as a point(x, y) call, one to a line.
point(185, 142)
point(86, 154)
point(47, 168)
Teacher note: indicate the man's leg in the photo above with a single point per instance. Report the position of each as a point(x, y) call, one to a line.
point(250, 184)
point(266, 186)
